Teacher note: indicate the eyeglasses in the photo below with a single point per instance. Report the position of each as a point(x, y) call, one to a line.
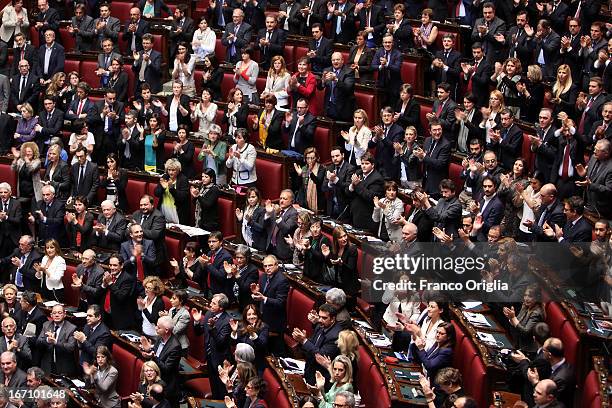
point(338, 405)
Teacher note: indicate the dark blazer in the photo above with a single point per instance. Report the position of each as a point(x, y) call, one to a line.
point(217, 340)
point(364, 63)
point(120, 85)
point(136, 146)
point(481, 79)
point(85, 36)
point(424, 224)
point(345, 93)
point(593, 114)
point(385, 152)
point(11, 226)
point(546, 153)
point(108, 144)
point(274, 311)
point(141, 29)
point(120, 184)
point(347, 30)
point(29, 280)
point(553, 216)
point(579, 232)
point(314, 261)
point(123, 299)
point(241, 40)
point(186, 33)
point(590, 138)
point(295, 22)
point(24, 355)
point(451, 75)
point(403, 36)
point(323, 51)
point(286, 227)
point(446, 215)
point(576, 156)
point(180, 119)
point(318, 179)
point(557, 17)
point(493, 48)
point(435, 359)
point(339, 200)
point(389, 76)
point(92, 284)
point(361, 199)
point(101, 336)
point(255, 14)
point(259, 344)
point(36, 316)
point(148, 257)
point(56, 61)
point(599, 191)
point(516, 43)
point(446, 118)
point(18, 379)
point(186, 159)
point(241, 116)
point(63, 351)
point(89, 184)
point(169, 362)
point(153, 316)
point(209, 214)
point(277, 43)
point(110, 30)
point(510, 146)
point(550, 45)
point(249, 275)
point(152, 74)
point(53, 227)
point(215, 272)
point(410, 162)
point(318, 14)
point(377, 21)
point(275, 135)
point(181, 194)
point(435, 164)
point(50, 20)
point(30, 53)
point(259, 230)
point(73, 107)
point(154, 228)
point(116, 231)
point(411, 115)
point(323, 341)
point(492, 215)
point(565, 380)
point(86, 231)
point(304, 134)
point(50, 127)
point(346, 272)
point(227, 6)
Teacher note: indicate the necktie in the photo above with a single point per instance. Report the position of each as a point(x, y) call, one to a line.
point(233, 47)
point(586, 109)
point(22, 86)
point(22, 54)
point(565, 167)
point(143, 67)
point(469, 85)
point(432, 147)
point(48, 117)
point(80, 108)
point(446, 56)
point(266, 284)
point(18, 274)
point(332, 96)
point(543, 217)
point(144, 218)
point(107, 301)
point(4, 206)
point(439, 110)
point(139, 268)
point(339, 20)
point(81, 178)
point(56, 332)
point(106, 61)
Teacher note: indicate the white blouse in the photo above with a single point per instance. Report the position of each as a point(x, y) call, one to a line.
point(205, 118)
point(357, 144)
point(55, 272)
point(277, 85)
point(203, 43)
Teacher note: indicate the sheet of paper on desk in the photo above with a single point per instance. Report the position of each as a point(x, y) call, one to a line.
point(294, 366)
point(78, 383)
point(50, 303)
point(379, 340)
point(372, 239)
point(363, 324)
point(476, 319)
point(471, 305)
point(80, 314)
point(191, 231)
point(487, 338)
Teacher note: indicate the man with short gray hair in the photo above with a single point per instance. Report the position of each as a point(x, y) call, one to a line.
point(10, 220)
point(111, 227)
point(344, 399)
point(597, 179)
point(88, 278)
point(47, 215)
point(15, 343)
point(11, 375)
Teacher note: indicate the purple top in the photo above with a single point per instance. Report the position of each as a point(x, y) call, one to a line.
point(25, 128)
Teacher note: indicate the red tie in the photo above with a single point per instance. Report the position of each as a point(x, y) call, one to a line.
point(107, 305)
point(458, 9)
point(469, 85)
point(211, 262)
point(22, 54)
point(139, 268)
point(80, 107)
point(584, 112)
point(439, 110)
point(566, 159)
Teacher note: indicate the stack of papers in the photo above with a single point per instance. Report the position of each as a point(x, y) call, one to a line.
point(379, 340)
point(476, 319)
point(191, 231)
point(293, 366)
point(50, 303)
point(363, 324)
point(487, 338)
point(471, 305)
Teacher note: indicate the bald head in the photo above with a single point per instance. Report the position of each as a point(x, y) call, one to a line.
point(548, 194)
point(337, 60)
point(409, 232)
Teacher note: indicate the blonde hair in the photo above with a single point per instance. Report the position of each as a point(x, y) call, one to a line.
point(348, 343)
point(283, 69)
point(348, 368)
point(558, 88)
point(158, 285)
point(31, 145)
point(152, 365)
point(173, 164)
point(28, 108)
point(364, 114)
point(534, 72)
point(54, 86)
point(500, 97)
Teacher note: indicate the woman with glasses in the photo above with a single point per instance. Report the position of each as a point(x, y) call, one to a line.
point(312, 175)
point(303, 85)
point(151, 305)
point(150, 374)
point(254, 389)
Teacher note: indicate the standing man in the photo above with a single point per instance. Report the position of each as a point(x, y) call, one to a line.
point(366, 183)
point(47, 19)
point(82, 29)
point(236, 36)
point(281, 222)
point(57, 344)
point(435, 156)
point(153, 225)
point(182, 29)
point(88, 279)
point(85, 178)
point(106, 26)
point(338, 178)
point(147, 65)
point(10, 220)
point(486, 29)
point(300, 127)
point(339, 84)
point(51, 58)
point(270, 41)
point(139, 254)
point(384, 136)
point(387, 62)
point(120, 295)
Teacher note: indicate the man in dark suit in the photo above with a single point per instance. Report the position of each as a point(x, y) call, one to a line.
point(515, 41)
point(590, 107)
point(602, 129)
point(139, 254)
point(384, 136)
point(489, 207)
point(577, 228)
point(445, 67)
point(50, 122)
point(545, 144)
point(236, 36)
point(214, 271)
point(339, 84)
point(153, 225)
point(323, 342)
point(51, 57)
point(485, 30)
point(134, 30)
point(598, 178)
point(22, 260)
point(15, 343)
point(111, 227)
point(81, 107)
point(105, 123)
point(589, 49)
point(30, 321)
point(550, 213)
point(11, 375)
point(508, 141)
point(365, 184)
point(254, 13)
point(446, 214)
point(88, 279)
point(85, 179)
point(281, 222)
point(338, 177)
point(130, 149)
point(444, 111)
point(477, 76)
point(22, 50)
point(105, 59)
point(545, 394)
point(556, 12)
point(270, 41)
point(48, 216)
point(25, 87)
point(94, 334)
point(319, 50)
point(569, 155)
point(215, 325)
point(57, 344)
point(570, 49)
point(82, 29)
point(312, 12)
point(106, 26)
point(435, 156)
point(221, 13)
point(47, 19)
point(10, 220)
point(342, 17)
point(545, 44)
point(271, 294)
point(147, 66)
point(120, 299)
point(166, 353)
point(387, 61)
point(300, 128)
point(289, 17)
point(371, 21)
point(182, 29)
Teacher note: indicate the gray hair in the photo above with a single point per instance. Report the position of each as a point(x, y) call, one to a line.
point(107, 202)
point(336, 297)
point(6, 186)
point(37, 372)
point(214, 128)
point(166, 322)
point(49, 187)
point(10, 354)
point(244, 353)
point(349, 398)
point(173, 163)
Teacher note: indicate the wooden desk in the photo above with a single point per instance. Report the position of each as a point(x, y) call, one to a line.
point(507, 399)
point(204, 403)
point(292, 384)
point(79, 397)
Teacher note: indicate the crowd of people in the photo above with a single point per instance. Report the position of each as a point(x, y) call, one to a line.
point(525, 64)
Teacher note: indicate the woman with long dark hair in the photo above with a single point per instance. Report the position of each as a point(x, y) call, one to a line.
point(103, 376)
point(343, 259)
point(50, 272)
point(118, 79)
point(115, 182)
point(184, 69)
point(236, 112)
point(79, 225)
point(251, 220)
point(253, 331)
point(205, 198)
point(212, 76)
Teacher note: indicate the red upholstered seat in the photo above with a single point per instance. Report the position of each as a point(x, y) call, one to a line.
point(71, 294)
point(526, 152)
point(371, 382)
point(34, 36)
point(366, 101)
point(168, 148)
point(555, 318)
point(408, 72)
point(571, 343)
point(125, 362)
point(270, 178)
point(199, 387)
point(591, 396)
point(167, 304)
point(7, 175)
point(121, 10)
point(467, 360)
point(227, 217)
point(260, 84)
point(298, 53)
point(219, 51)
point(137, 370)
point(288, 55)
point(227, 84)
point(298, 306)
point(134, 190)
point(68, 41)
point(198, 165)
point(196, 346)
point(275, 394)
point(72, 65)
point(88, 73)
point(454, 173)
point(159, 44)
point(323, 141)
point(150, 189)
point(173, 248)
point(197, 77)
